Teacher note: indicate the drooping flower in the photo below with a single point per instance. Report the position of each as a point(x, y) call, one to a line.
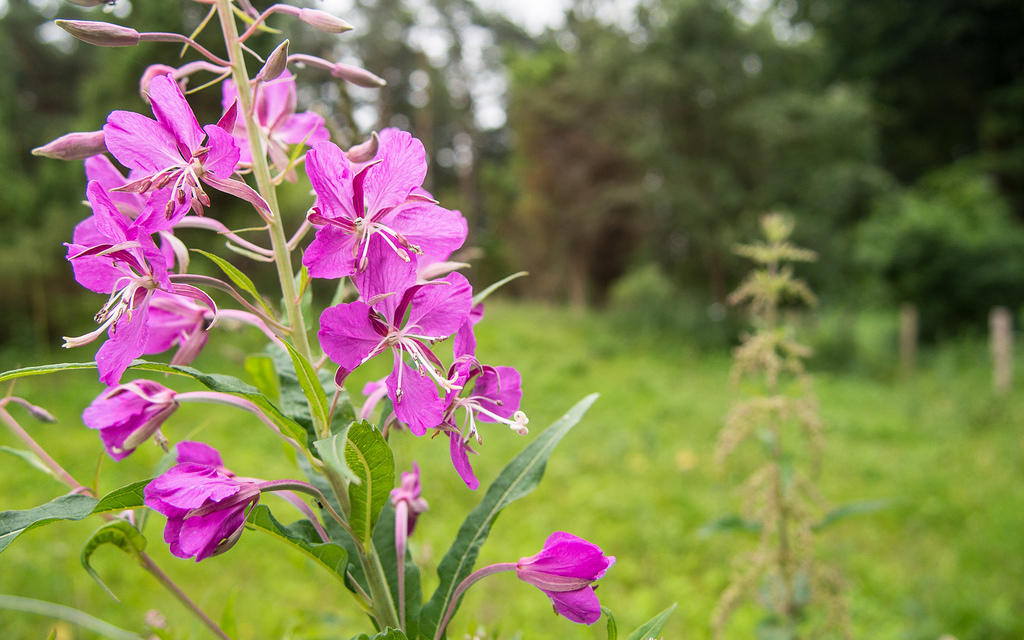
point(129, 414)
point(402, 317)
point(381, 203)
point(279, 124)
point(565, 570)
point(114, 255)
point(205, 503)
point(170, 156)
point(177, 321)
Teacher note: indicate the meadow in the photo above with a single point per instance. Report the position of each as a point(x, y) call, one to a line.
point(945, 555)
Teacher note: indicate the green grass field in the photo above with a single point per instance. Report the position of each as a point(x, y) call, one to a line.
point(636, 477)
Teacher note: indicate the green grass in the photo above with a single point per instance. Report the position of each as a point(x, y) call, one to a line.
point(635, 477)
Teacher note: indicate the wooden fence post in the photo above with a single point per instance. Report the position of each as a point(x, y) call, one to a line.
point(1000, 324)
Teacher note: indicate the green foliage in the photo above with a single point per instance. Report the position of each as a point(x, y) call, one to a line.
point(119, 533)
point(652, 627)
point(369, 457)
point(303, 536)
point(517, 479)
point(950, 247)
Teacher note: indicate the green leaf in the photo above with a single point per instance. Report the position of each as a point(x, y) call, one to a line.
point(129, 496)
point(516, 480)
point(228, 619)
point(30, 458)
point(731, 522)
point(480, 297)
point(303, 536)
point(120, 533)
point(370, 459)
point(613, 629)
point(239, 279)
point(311, 386)
point(851, 509)
point(74, 616)
point(44, 369)
point(70, 507)
point(386, 634)
point(261, 369)
point(332, 452)
point(652, 627)
point(293, 397)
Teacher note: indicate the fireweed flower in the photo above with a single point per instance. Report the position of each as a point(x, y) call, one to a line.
point(565, 570)
point(114, 255)
point(279, 124)
point(169, 156)
point(177, 321)
point(205, 503)
point(408, 506)
point(129, 414)
point(401, 317)
point(382, 202)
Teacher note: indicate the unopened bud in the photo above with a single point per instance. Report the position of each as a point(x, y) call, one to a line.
point(323, 21)
point(73, 146)
point(276, 63)
point(101, 34)
point(357, 76)
point(89, 3)
point(364, 151)
point(38, 413)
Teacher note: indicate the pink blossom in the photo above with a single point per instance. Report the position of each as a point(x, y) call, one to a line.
point(205, 503)
point(129, 414)
point(565, 569)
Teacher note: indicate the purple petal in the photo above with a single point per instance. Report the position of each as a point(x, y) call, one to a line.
point(330, 173)
point(580, 606)
point(275, 102)
point(420, 406)
point(140, 143)
point(238, 189)
point(200, 536)
point(465, 341)
point(437, 310)
point(308, 126)
point(330, 253)
point(198, 453)
point(571, 556)
point(224, 153)
point(435, 230)
point(402, 168)
point(172, 111)
point(347, 335)
point(385, 273)
point(501, 391)
point(460, 460)
point(127, 339)
point(102, 170)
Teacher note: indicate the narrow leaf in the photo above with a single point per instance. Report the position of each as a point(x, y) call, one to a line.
point(70, 507)
point(332, 452)
point(119, 533)
point(613, 629)
point(370, 459)
point(851, 509)
point(311, 386)
point(239, 279)
point(127, 497)
point(261, 369)
point(516, 480)
point(44, 369)
point(652, 627)
point(30, 458)
point(480, 297)
point(303, 537)
point(74, 616)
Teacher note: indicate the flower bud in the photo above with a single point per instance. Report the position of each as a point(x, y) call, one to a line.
point(101, 34)
point(364, 151)
point(323, 21)
point(88, 3)
point(276, 63)
point(357, 76)
point(73, 146)
point(151, 72)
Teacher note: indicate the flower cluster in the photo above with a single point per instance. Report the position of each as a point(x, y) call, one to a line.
point(376, 229)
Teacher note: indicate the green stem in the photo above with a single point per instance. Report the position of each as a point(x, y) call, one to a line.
point(383, 604)
point(265, 186)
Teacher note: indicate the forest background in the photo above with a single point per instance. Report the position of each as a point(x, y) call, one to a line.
point(618, 153)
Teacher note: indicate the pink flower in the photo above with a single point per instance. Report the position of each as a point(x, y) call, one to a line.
point(279, 124)
point(205, 503)
point(129, 414)
point(407, 497)
point(170, 156)
point(404, 318)
point(381, 203)
point(565, 569)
